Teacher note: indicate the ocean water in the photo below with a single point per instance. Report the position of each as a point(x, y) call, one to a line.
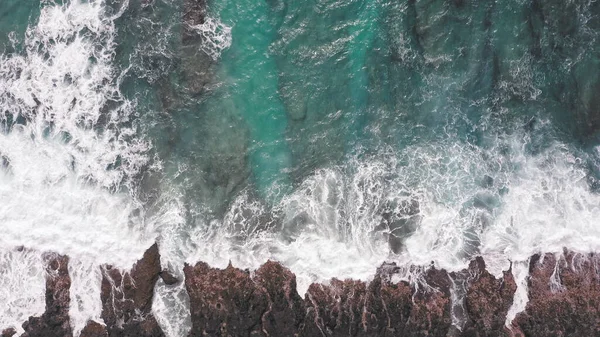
point(329, 135)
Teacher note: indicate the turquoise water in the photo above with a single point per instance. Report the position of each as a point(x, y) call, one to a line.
point(308, 85)
point(330, 135)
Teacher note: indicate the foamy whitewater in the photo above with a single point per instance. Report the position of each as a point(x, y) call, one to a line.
point(73, 157)
point(56, 193)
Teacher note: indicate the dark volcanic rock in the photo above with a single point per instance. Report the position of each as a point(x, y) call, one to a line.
point(55, 320)
point(564, 296)
point(94, 329)
point(231, 302)
point(487, 300)
point(8, 332)
point(224, 302)
point(380, 308)
point(285, 311)
point(168, 278)
point(127, 297)
point(400, 219)
point(336, 309)
point(564, 300)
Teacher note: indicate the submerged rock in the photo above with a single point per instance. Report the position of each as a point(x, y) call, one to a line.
point(4, 161)
point(127, 297)
point(55, 320)
point(197, 65)
point(194, 13)
point(286, 309)
point(400, 219)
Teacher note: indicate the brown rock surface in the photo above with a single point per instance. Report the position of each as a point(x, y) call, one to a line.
point(231, 302)
point(127, 297)
point(380, 308)
point(564, 299)
point(430, 315)
point(224, 302)
point(94, 329)
point(8, 332)
point(335, 309)
point(285, 311)
point(168, 278)
point(564, 296)
point(487, 300)
point(55, 320)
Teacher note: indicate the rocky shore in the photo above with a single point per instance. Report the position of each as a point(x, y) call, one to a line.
point(563, 290)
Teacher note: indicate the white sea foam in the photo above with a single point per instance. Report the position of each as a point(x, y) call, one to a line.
point(216, 36)
point(171, 303)
point(22, 286)
point(520, 272)
point(60, 189)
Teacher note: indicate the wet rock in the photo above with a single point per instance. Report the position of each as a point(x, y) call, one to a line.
point(224, 302)
point(380, 308)
point(231, 302)
point(127, 297)
point(335, 309)
point(168, 278)
point(564, 296)
point(286, 309)
point(94, 329)
point(8, 332)
point(487, 300)
point(564, 300)
point(55, 320)
point(430, 314)
point(4, 161)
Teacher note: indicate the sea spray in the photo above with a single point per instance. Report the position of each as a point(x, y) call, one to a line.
point(216, 37)
point(64, 182)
